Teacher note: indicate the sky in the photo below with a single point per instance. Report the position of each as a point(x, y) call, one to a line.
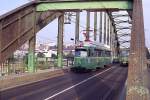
point(146, 7)
point(49, 33)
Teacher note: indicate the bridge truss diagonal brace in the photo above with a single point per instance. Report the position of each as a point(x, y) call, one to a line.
point(86, 5)
point(17, 27)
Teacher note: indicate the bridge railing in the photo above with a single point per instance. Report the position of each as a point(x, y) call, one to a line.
point(18, 66)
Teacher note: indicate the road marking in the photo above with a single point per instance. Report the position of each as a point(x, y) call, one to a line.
point(54, 95)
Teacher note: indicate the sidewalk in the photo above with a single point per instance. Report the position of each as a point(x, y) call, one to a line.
point(27, 78)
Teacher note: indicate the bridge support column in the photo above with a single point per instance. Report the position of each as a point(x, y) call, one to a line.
point(108, 30)
point(115, 43)
point(111, 41)
point(105, 25)
point(31, 54)
point(0, 42)
point(77, 27)
point(88, 25)
point(60, 41)
point(100, 27)
point(138, 77)
point(95, 26)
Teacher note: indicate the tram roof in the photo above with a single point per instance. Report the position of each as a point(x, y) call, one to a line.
point(92, 44)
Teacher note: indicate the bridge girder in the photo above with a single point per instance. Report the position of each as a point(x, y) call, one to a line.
point(85, 5)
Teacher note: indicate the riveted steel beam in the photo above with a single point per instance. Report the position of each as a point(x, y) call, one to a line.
point(88, 26)
point(107, 36)
point(100, 27)
point(17, 27)
point(60, 41)
point(85, 5)
point(32, 43)
point(31, 54)
point(105, 25)
point(77, 27)
point(138, 80)
point(95, 26)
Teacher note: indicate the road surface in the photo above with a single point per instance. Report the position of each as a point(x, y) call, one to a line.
point(104, 84)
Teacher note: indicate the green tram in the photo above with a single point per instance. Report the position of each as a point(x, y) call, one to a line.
point(124, 57)
point(90, 56)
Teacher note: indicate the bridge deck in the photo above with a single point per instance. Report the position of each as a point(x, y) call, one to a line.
point(98, 85)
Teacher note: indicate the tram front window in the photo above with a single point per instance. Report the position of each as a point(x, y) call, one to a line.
point(124, 53)
point(81, 53)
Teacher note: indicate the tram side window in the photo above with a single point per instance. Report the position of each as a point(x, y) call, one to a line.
point(89, 53)
point(98, 54)
point(107, 53)
point(92, 53)
point(125, 53)
point(81, 53)
point(103, 53)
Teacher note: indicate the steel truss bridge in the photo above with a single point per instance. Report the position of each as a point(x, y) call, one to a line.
point(120, 30)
